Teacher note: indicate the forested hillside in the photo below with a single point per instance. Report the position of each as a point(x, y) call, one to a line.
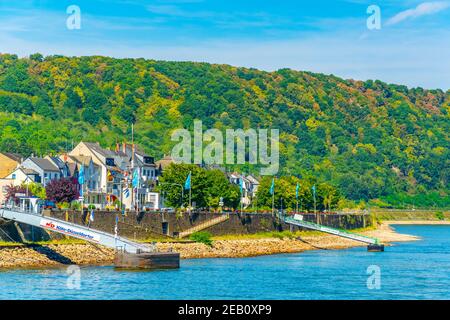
point(371, 139)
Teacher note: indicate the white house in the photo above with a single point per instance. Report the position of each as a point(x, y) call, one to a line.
point(62, 166)
point(253, 185)
point(16, 178)
point(249, 186)
point(44, 167)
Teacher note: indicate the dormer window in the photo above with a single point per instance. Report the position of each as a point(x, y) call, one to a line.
point(149, 160)
point(110, 162)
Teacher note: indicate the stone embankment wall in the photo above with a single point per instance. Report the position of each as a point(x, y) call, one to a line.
point(148, 225)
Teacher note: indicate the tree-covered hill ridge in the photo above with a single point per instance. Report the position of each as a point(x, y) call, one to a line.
point(369, 138)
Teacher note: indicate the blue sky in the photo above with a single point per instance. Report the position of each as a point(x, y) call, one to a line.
point(412, 47)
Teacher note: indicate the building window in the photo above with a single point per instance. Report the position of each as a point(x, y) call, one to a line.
point(110, 162)
point(13, 175)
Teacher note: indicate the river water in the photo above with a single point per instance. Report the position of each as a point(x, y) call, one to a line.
point(413, 270)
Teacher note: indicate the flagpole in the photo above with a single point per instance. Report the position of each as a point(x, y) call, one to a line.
point(133, 195)
point(273, 203)
point(242, 193)
point(81, 183)
point(314, 196)
point(272, 191)
point(82, 201)
point(190, 191)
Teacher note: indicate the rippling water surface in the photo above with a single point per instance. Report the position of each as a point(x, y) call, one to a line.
point(413, 270)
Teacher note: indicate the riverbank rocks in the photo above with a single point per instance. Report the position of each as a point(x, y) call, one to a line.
point(54, 255)
point(256, 247)
point(89, 254)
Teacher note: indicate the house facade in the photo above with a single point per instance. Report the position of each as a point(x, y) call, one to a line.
point(18, 177)
point(112, 172)
point(92, 176)
point(249, 186)
point(8, 163)
point(45, 168)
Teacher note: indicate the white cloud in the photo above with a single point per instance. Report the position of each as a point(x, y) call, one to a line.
point(425, 8)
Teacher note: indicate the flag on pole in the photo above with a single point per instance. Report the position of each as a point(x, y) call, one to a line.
point(116, 227)
point(241, 184)
point(135, 180)
point(109, 176)
point(92, 215)
point(297, 188)
point(272, 187)
point(81, 175)
point(126, 192)
point(187, 183)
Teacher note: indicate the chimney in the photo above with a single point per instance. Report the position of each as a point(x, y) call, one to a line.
point(124, 147)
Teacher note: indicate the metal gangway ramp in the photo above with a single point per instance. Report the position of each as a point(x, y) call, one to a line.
point(297, 220)
point(74, 230)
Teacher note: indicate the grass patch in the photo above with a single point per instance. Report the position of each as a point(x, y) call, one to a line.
point(9, 244)
point(58, 241)
point(282, 235)
point(439, 215)
point(202, 237)
point(163, 240)
point(359, 230)
point(266, 235)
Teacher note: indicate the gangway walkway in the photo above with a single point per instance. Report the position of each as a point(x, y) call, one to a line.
point(297, 220)
point(74, 230)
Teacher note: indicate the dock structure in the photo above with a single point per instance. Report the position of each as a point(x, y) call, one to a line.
point(126, 249)
point(373, 243)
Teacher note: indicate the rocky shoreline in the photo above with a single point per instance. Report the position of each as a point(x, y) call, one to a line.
point(52, 255)
point(256, 247)
point(37, 256)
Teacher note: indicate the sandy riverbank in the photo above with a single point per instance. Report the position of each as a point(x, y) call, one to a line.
point(88, 254)
point(417, 222)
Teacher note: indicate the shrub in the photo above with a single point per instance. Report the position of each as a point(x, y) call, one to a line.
point(63, 205)
point(62, 190)
point(202, 237)
point(11, 192)
point(265, 223)
point(75, 205)
point(439, 215)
